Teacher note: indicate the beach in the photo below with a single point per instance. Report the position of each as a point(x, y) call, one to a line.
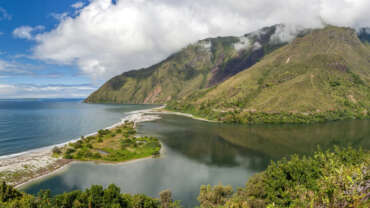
point(22, 168)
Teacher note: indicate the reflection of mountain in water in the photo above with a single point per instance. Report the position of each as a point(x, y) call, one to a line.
point(201, 142)
point(225, 144)
point(281, 140)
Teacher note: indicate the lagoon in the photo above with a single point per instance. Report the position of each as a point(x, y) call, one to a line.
point(198, 152)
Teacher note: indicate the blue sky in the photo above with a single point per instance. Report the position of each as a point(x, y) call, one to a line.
point(23, 70)
point(68, 48)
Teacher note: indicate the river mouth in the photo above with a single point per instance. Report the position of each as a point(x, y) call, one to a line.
point(199, 152)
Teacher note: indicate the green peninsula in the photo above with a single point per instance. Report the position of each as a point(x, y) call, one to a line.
point(111, 145)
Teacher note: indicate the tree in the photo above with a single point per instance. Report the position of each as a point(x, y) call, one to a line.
point(8, 193)
point(214, 197)
point(142, 201)
point(166, 198)
point(96, 196)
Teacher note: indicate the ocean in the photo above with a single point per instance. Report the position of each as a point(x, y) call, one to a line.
point(28, 124)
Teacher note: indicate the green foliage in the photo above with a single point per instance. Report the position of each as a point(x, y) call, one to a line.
point(112, 147)
point(8, 193)
point(103, 132)
point(95, 197)
point(214, 196)
point(336, 178)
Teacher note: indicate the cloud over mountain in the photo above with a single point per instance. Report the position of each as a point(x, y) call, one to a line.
point(105, 38)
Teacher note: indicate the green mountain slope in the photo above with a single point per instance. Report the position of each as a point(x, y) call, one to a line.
point(198, 66)
point(324, 75)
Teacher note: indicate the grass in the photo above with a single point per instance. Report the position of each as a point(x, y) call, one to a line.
point(116, 145)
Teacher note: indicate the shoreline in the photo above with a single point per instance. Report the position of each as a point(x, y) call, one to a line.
point(161, 110)
point(71, 162)
point(36, 164)
point(43, 164)
point(40, 177)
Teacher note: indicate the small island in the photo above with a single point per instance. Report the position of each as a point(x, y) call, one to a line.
point(119, 144)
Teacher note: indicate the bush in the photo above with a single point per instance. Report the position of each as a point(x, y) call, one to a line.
point(214, 196)
point(103, 132)
point(8, 193)
point(156, 154)
point(70, 150)
point(57, 150)
point(97, 155)
point(68, 156)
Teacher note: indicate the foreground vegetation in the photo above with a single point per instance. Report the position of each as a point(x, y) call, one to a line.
point(338, 178)
point(95, 197)
point(115, 145)
point(327, 179)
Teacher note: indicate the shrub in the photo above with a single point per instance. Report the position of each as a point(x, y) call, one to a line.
point(97, 155)
point(70, 150)
point(56, 150)
point(68, 156)
point(103, 132)
point(156, 153)
point(214, 196)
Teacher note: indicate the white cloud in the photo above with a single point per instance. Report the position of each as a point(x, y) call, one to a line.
point(26, 32)
point(13, 68)
point(105, 38)
point(77, 5)
point(59, 16)
point(44, 91)
point(4, 15)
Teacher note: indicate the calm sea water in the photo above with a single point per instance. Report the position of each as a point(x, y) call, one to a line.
point(199, 153)
point(31, 124)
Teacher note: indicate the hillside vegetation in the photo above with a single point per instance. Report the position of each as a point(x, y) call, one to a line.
point(198, 66)
point(337, 178)
point(321, 76)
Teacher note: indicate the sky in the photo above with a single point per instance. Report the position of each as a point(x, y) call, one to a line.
point(68, 48)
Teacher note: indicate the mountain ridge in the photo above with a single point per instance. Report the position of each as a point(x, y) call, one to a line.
point(269, 76)
point(321, 76)
point(201, 65)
